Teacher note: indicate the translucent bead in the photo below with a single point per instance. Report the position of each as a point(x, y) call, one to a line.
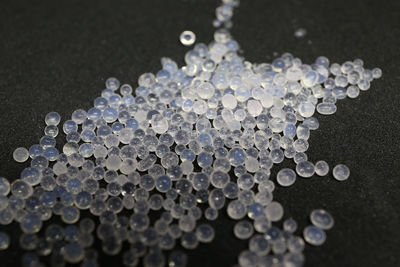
point(245, 181)
point(73, 252)
point(187, 38)
point(255, 210)
point(236, 210)
point(229, 101)
point(201, 181)
point(236, 156)
point(163, 183)
point(189, 240)
point(20, 154)
point(321, 219)
point(295, 244)
point(300, 33)
point(306, 109)
point(211, 214)
point(314, 235)
point(286, 177)
point(35, 150)
point(326, 108)
point(341, 172)
point(70, 126)
point(376, 73)
point(290, 225)
point(274, 211)
point(248, 258)
point(216, 199)
point(4, 241)
point(321, 168)
point(305, 169)
point(243, 230)
point(4, 186)
point(254, 108)
point(31, 223)
point(353, 91)
point(259, 245)
point(205, 233)
point(21, 189)
point(219, 179)
point(51, 130)
point(51, 153)
point(79, 116)
point(177, 259)
point(70, 214)
point(52, 118)
point(112, 83)
point(47, 141)
point(206, 90)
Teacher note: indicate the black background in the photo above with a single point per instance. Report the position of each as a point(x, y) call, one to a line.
point(56, 55)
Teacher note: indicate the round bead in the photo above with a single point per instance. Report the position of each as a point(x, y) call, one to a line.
point(4, 186)
point(236, 210)
point(187, 38)
point(243, 230)
point(286, 177)
point(4, 241)
point(314, 235)
point(321, 168)
point(341, 172)
point(274, 211)
point(305, 169)
point(321, 219)
point(205, 233)
point(52, 118)
point(20, 154)
point(31, 223)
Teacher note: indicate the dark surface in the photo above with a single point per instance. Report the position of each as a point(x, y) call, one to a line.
point(56, 55)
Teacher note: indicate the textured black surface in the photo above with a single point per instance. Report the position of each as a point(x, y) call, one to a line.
point(56, 55)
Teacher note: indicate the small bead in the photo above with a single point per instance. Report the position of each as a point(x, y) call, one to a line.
point(321, 219)
point(321, 168)
point(187, 38)
point(314, 235)
point(341, 172)
point(4, 241)
point(286, 177)
point(243, 230)
point(20, 154)
point(52, 118)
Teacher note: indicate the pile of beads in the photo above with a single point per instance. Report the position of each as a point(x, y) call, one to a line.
point(187, 142)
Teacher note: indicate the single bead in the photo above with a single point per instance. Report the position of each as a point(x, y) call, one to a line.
point(321, 219)
point(243, 229)
point(4, 186)
point(20, 154)
point(290, 225)
point(205, 233)
point(52, 118)
point(321, 168)
point(4, 241)
point(187, 38)
point(31, 223)
point(341, 172)
point(305, 169)
point(274, 211)
point(314, 235)
point(286, 177)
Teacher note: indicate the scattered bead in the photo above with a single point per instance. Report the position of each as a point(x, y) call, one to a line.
point(321, 219)
point(341, 172)
point(21, 154)
point(314, 235)
point(187, 38)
